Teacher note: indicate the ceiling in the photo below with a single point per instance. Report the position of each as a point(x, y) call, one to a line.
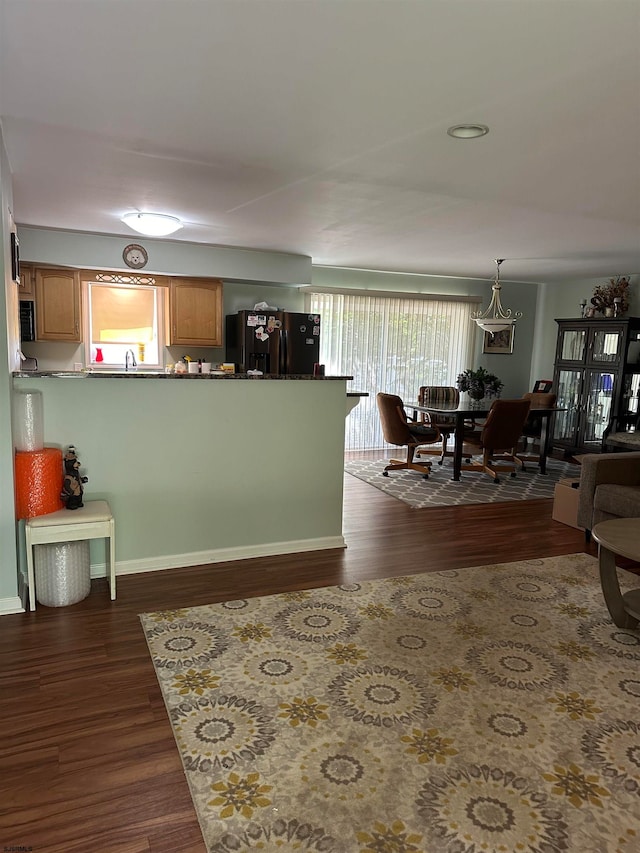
point(319, 127)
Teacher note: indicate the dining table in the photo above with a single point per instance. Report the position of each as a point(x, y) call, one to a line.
point(466, 411)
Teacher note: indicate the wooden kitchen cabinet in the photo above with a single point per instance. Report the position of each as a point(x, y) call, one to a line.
point(58, 306)
point(26, 286)
point(195, 312)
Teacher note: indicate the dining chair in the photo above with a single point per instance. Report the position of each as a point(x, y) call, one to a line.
point(498, 438)
point(441, 395)
point(399, 430)
point(438, 395)
point(532, 428)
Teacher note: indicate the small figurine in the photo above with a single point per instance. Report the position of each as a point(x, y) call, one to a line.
point(71, 494)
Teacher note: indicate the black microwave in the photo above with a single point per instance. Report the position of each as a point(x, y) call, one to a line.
point(27, 320)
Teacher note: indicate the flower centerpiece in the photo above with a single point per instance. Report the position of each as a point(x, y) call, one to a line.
point(612, 299)
point(479, 383)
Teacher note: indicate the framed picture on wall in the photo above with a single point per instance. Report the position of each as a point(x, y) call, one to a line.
point(15, 251)
point(499, 342)
point(15, 258)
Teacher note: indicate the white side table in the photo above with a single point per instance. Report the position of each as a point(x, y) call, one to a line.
point(618, 536)
point(94, 520)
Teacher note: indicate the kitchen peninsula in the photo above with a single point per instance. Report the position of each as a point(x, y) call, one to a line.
point(203, 468)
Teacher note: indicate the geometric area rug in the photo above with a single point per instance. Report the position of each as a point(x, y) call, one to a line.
point(486, 709)
point(472, 488)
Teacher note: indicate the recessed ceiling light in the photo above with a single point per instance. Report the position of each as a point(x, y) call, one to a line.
point(468, 131)
point(152, 224)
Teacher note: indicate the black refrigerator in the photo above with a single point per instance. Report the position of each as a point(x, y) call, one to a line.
point(273, 341)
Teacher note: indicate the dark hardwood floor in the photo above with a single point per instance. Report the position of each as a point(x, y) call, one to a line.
point(88, 760)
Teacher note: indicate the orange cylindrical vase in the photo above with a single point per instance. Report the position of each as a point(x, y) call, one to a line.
point(38, 478)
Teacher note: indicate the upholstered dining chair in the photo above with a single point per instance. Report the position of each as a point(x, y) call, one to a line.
point(438, 395)
point(532, 428)
point(399, 430)
point(498, 438)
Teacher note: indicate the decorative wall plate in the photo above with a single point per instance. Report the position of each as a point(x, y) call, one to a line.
point(135, 256)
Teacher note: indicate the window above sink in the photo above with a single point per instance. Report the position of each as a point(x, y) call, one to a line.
point(123, 318)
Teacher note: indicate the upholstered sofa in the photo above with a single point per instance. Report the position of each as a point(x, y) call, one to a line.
point(609, 488)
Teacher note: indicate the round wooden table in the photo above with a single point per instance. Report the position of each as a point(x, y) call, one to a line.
point(618, 536)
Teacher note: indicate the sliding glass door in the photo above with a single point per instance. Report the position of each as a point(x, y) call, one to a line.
point(393, 344)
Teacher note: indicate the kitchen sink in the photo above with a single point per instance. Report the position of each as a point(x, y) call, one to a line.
point(122, 372)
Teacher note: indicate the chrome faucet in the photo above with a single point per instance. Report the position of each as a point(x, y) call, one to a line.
point(134, 363)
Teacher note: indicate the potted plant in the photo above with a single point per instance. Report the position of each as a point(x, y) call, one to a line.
point(612, 299)
point(479, 383)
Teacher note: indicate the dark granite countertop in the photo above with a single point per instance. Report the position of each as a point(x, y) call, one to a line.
point(151, 374)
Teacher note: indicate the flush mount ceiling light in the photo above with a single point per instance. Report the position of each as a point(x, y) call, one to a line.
point(468, 131)
point(495, 318)
point(152, 224)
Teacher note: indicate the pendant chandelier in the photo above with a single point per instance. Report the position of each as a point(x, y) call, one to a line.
point(496, 318)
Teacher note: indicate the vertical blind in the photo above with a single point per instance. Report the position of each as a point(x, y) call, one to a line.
point(393, 344)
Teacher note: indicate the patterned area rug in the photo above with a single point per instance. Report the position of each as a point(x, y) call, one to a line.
point(488, 709)
point(472, 488)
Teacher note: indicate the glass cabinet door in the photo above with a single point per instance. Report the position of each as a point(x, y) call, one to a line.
point(629, 412)
point(574, 342)
point(633, 348)
point(569, 387)
point(606, 345)
point(598, 395)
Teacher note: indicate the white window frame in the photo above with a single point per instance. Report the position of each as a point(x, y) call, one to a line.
point(133, 283)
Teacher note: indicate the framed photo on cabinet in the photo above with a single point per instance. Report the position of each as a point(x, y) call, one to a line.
point(499, 342)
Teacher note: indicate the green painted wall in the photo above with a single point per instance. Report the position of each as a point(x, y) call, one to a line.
point(8, 343)
point(166, 256)
point(561, 302)
point(200, 465)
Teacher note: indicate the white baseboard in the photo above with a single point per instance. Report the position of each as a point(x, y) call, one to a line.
point(11, 605)
point(220, 555)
